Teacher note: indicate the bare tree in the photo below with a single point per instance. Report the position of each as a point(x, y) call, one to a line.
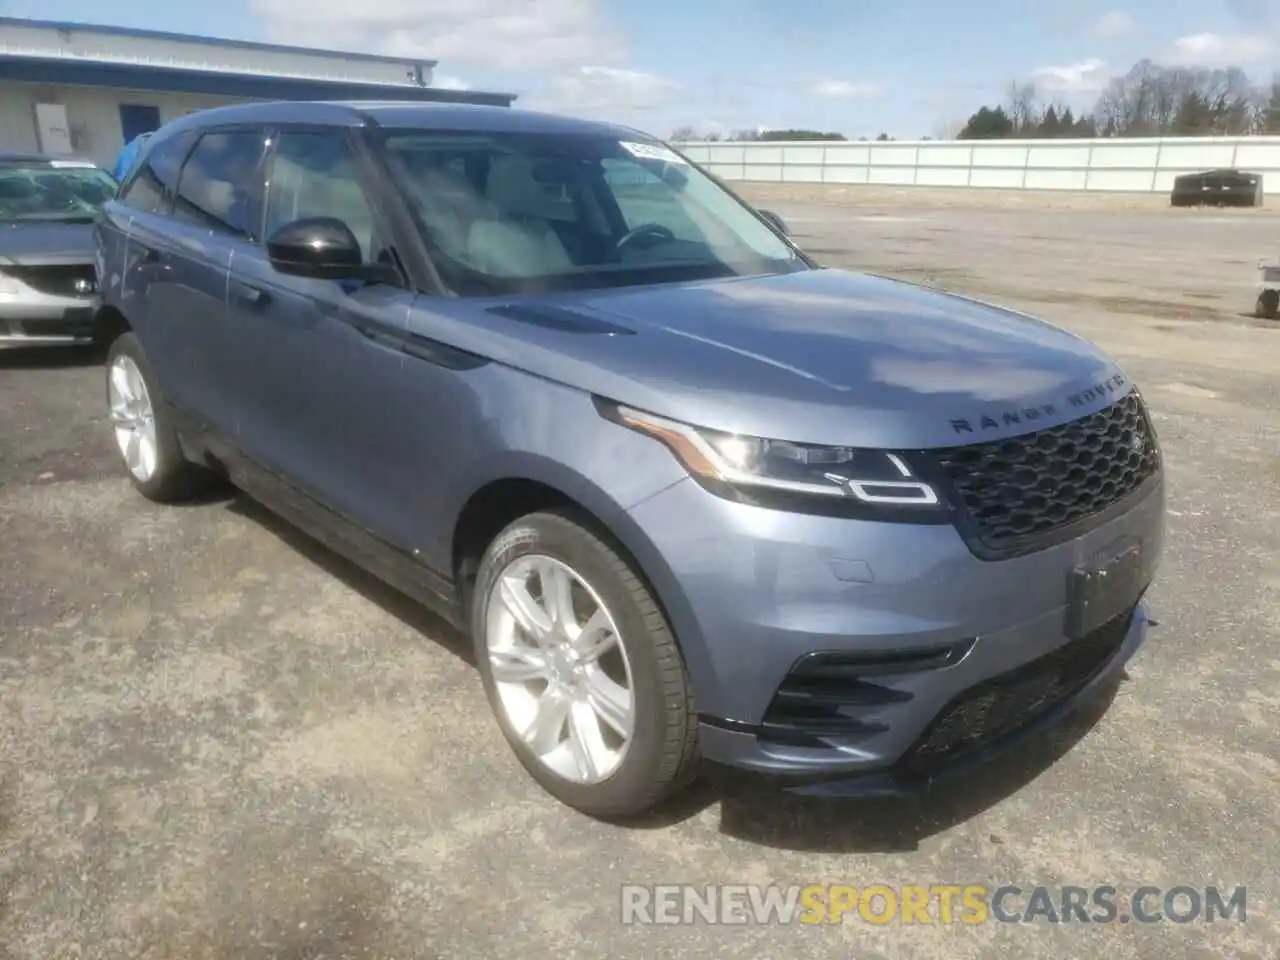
point(684, 134)
point(1128, 105)
point(1268, 110)
point(1022, 107)
point(1152, 100)
point(946, 129)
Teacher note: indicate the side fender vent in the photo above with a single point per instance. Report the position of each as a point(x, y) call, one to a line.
point(559, 318)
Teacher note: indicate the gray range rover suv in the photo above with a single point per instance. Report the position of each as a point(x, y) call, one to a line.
point(692, 495)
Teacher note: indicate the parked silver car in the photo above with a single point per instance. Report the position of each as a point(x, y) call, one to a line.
point(48, 284)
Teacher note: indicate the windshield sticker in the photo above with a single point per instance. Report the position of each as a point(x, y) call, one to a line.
point(650, 151)
point(71, 164)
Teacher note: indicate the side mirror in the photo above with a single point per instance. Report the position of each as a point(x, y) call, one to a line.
point(778, 223)
point(319, 247)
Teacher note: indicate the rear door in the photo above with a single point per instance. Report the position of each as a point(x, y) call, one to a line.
point(146, 281)
point(321, 388)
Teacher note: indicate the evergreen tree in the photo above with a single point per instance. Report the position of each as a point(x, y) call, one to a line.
point(1049, 124)
point(987, 124)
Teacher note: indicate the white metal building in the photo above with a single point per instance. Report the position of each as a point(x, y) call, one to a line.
point(81, 89)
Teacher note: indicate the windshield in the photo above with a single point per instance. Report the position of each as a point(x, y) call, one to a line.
point(521, 212)
point(53, 192)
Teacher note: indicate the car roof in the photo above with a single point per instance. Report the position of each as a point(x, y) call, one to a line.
point(401, 114)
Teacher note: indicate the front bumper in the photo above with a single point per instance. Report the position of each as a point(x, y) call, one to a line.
point(906, 620)
point(912, 773)
point(40, 318)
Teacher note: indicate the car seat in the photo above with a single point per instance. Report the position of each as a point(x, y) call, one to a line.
point(515, 237)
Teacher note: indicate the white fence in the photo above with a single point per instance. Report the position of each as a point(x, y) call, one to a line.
point(1113, 165)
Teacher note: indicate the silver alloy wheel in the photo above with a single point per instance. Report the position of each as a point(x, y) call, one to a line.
point(132, 417)
point(562, 675)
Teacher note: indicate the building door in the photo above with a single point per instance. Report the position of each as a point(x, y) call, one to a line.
point(52, 129)
point(137, 119)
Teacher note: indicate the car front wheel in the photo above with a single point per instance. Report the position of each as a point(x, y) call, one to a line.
point(581, 668)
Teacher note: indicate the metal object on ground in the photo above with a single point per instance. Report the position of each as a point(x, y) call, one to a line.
point(1267, 306)
point(1218, 188)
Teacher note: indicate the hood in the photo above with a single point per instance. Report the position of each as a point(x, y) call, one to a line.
point(821, 356)
point(42, 242)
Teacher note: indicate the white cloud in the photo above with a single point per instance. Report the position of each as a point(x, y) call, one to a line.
point(605, 93)
point(497, 34)
point(1112, 24)
point(844, 90)
point(446, 82)
point(1217, 50)
point(1080, 77)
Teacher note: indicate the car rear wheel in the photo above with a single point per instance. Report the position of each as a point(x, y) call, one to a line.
point(143, 430)
point(581, 668)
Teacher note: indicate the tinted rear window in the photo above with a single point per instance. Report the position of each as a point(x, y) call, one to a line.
point(152, 187)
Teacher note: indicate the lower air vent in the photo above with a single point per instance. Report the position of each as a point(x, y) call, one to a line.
point(833, 696)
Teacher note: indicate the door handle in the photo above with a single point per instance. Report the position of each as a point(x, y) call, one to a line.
point(150, 257)
point(249, 294)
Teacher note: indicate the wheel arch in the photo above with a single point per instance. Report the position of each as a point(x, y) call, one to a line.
point(108, 324)
point(503, 500)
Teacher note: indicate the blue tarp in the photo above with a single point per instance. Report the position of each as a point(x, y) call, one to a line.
point(127, 156)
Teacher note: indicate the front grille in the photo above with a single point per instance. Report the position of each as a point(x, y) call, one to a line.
point(55, 279)
point(76, 322)
point(1013, 493)
point(1013, 700)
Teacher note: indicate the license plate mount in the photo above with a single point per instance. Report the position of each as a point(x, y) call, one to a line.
point(1102, 590)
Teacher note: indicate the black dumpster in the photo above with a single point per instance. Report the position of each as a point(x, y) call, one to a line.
point(1218, 188)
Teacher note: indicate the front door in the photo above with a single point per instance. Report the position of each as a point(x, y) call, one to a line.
point(320, 397)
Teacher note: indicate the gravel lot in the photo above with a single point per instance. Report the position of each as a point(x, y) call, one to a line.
point(219, 741)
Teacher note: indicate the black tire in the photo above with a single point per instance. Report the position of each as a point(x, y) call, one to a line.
point(175, 478)
point(1268, 306)
point(662, 757)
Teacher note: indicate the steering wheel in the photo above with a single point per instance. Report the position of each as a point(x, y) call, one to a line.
point(650, 229)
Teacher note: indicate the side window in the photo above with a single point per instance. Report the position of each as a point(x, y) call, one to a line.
point(221, 182)
point(643, 198)
point(153, 186)
point(316, 175)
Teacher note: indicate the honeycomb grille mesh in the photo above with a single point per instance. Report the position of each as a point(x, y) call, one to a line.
point(1018, 490)
point(1011, 701)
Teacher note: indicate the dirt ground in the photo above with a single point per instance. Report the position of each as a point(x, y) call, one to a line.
point(219, 741)
point(981, 199)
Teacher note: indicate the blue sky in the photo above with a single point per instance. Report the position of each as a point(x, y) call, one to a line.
point(905, 67)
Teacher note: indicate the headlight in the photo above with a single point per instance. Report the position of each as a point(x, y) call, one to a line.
point(759, 467)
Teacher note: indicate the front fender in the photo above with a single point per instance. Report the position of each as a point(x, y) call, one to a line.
point(638, 548)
